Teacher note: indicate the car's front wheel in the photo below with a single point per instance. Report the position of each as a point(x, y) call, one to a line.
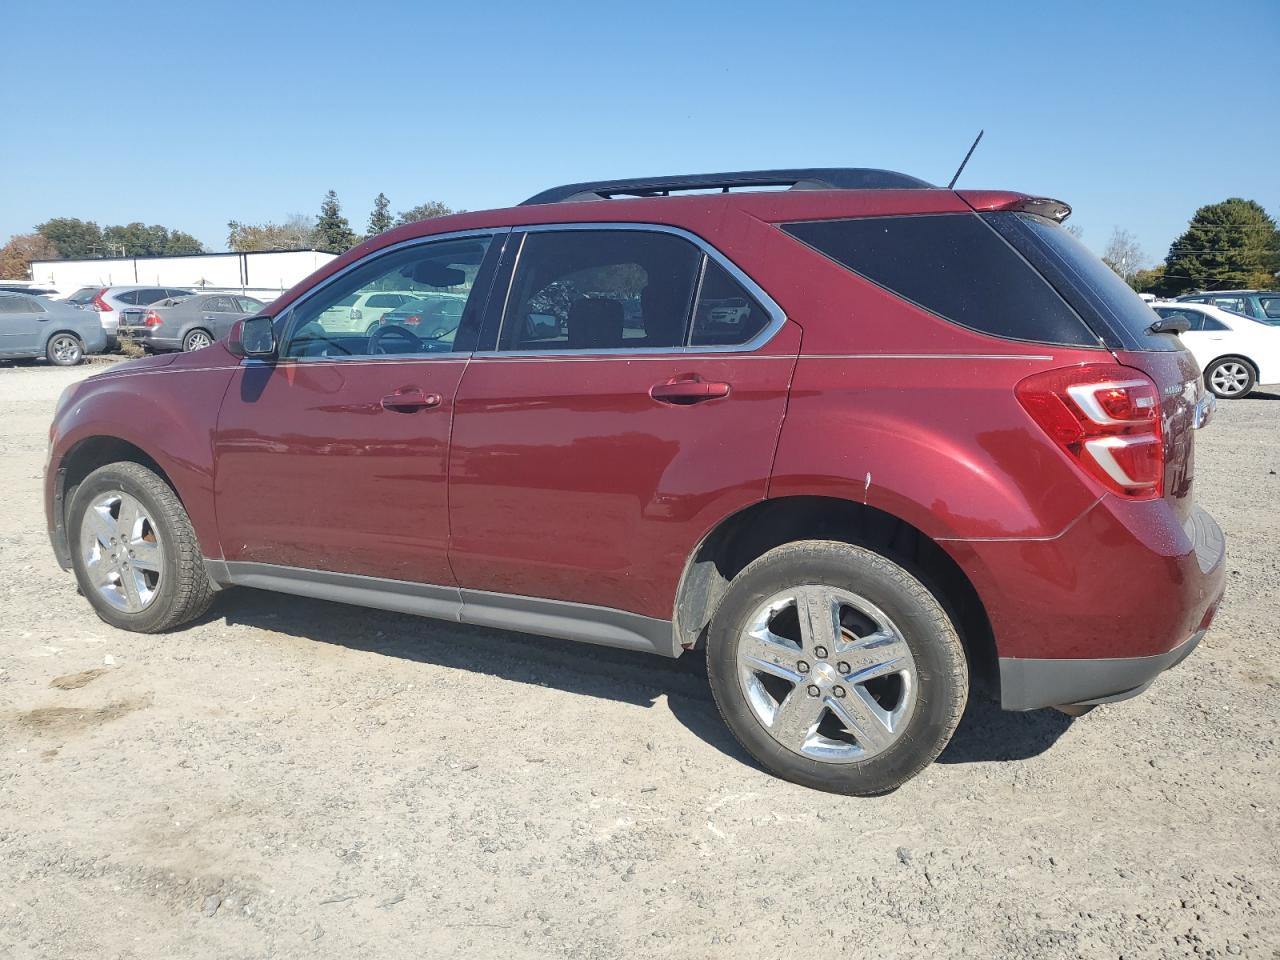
point(64, 350)
point(134, 551)
point(1230, 377)
point(836, 668)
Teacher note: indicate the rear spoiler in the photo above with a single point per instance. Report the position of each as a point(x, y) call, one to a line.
point(988, 201)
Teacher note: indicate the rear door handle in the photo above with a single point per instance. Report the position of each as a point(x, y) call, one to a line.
point(683, 391)
point(410, 401)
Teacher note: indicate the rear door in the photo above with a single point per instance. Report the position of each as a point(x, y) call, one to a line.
point(332, 458)
point(218, 314)
point(611, 423)
point(21, 330)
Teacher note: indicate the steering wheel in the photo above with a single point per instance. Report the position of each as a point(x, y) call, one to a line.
point(394, 329)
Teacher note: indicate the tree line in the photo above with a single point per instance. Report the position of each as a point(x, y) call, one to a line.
point(70, 238)
point(330, 231)
point(1229, 245)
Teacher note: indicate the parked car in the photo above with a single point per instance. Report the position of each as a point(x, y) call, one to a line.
point(36, 327)
point(1262, 305)
point(945, 444)
point(432, 318)
point(360, 311)
point(109, 301)
point(1235, 353)
point(186, 323)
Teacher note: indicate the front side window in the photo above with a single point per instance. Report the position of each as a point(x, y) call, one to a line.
point(1232, 305)
point(340, 320)
point(1270, 307)
point(249, 305)
point(601, 290)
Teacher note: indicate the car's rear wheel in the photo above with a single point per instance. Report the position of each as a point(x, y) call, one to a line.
point(134, 551)
point(836, 668)
point(64, 350)
point(1230, 377)
point(196, 340)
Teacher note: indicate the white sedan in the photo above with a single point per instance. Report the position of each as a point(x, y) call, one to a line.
point(1235, 352)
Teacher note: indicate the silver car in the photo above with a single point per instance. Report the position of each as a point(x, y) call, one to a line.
point(110, 302)
point(186, 323)
point(36, 327)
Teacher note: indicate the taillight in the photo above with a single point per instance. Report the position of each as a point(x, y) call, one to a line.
point(99, 304)
point(1107, 417)
point(410, 321)
point(152, 319)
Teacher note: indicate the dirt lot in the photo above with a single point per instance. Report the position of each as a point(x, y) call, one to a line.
point(292, 778)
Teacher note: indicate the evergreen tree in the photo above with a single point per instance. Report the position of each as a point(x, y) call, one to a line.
point(1229, 244)
point(333, 232)
point(380, 220)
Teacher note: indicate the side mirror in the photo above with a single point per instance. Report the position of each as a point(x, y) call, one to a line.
point(253, 337)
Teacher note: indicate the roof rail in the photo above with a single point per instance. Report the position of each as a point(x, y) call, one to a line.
point(805, 178)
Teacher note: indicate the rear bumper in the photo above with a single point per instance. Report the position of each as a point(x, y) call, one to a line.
point(1099, 611)
point(147, 336)
point(1032, 684)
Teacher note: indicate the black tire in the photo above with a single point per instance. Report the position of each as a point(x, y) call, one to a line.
point(200, 333)
point(64, 350)
point(942, 680)
point(1239, 388)
point(184, 590)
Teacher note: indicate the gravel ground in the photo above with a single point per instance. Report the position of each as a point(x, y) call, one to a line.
point(293, 778)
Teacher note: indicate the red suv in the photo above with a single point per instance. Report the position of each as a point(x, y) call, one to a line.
point(866, 441)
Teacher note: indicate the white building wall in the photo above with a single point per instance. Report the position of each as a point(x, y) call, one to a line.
point(268, 272)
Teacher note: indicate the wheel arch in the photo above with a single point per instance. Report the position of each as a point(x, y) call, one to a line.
point(85, 456)
point(744, 536)
point(1253, 364)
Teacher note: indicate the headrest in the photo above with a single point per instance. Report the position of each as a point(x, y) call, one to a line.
point(595, 323)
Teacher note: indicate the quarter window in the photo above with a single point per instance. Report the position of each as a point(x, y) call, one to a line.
point(339, 320)
point(601, 290)
point(726, 314)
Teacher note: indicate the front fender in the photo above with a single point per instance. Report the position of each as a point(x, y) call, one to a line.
point(168, 411)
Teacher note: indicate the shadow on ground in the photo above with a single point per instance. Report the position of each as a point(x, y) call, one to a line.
point(986, 733)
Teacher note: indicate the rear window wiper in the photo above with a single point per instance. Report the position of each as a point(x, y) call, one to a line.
point(1170, 325)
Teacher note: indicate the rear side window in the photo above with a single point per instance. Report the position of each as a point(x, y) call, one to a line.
point(12, 305)
point(600, 290)
point(1270, 307)
point(1095, 292)
point(952, 265)
point(1194, 318)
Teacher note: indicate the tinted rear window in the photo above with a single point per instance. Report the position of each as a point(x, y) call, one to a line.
point(955, 266)
point(1092, 288)
point(83, 295)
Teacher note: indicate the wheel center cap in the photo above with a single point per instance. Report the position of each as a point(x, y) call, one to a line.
point(824, 673)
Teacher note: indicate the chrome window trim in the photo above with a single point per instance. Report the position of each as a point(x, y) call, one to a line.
point(285, 318)
point(777, 317)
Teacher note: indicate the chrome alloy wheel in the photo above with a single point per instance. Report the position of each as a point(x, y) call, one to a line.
point(121, 551)
point(65, 348)
point(827, 673)
point(198, 340)
point(1230, 378)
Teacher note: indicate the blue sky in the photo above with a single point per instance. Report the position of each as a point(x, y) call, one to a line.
point(191, 114)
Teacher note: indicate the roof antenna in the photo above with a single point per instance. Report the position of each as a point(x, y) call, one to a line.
point(965, 160)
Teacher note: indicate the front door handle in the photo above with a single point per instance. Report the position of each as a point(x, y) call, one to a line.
point(683, 391)
point(410, 401)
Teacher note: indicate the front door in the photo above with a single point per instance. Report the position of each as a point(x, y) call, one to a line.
point(606, 433)
point(333, 457)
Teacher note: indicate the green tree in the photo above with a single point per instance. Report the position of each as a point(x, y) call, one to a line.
point(140, 240)
point(425, 211)
point(380, 220)
point(1229, 244)
point(333, 232)
point(17, 254)
point(74, 238)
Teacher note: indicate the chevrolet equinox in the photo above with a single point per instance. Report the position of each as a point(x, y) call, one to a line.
point(865, 441)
